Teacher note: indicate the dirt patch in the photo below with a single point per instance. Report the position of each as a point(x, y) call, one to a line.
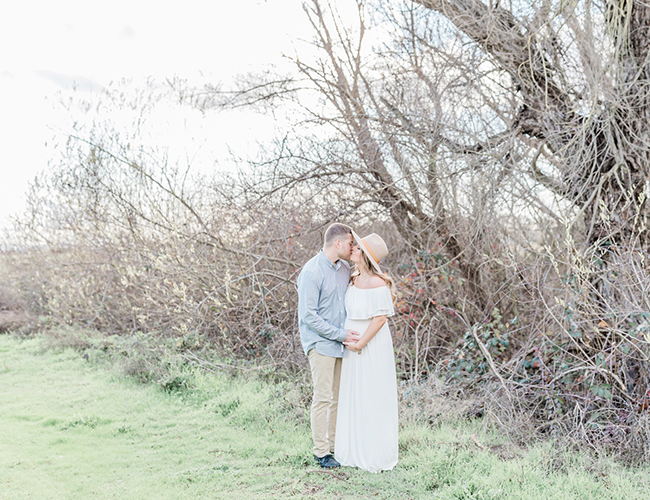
point(311, 489)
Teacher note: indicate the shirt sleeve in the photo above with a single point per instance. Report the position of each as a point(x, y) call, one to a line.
point(308, 293)
point(370, 303)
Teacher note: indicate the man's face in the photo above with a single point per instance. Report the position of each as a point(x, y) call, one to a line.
point(345, 247)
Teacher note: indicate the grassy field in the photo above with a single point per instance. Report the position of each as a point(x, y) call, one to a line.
point(71, 429)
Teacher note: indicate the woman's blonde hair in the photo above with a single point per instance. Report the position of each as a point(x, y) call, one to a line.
point(367, 264)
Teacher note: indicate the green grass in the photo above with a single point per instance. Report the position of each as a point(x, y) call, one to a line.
point(70, 429)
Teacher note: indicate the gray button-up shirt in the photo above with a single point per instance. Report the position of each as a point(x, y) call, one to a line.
point(321, 305)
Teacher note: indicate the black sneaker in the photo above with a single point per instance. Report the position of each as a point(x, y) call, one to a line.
point(327, 462)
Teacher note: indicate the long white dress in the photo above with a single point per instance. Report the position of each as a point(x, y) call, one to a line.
point(366, 425)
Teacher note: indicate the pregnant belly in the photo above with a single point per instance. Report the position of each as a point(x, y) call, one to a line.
point(381, 340)
point(358, 325)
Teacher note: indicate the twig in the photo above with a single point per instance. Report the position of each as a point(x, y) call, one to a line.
point(476, 441)
point(488, 358)
point(193, 358)
point(486, 353)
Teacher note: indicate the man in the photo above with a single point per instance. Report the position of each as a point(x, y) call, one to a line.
point(321, 317)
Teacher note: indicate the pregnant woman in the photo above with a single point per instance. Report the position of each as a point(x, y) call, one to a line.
point(366, 429)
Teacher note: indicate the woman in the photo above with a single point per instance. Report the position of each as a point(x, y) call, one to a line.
point(366, 428)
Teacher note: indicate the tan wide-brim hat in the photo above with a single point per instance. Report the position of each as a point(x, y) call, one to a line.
point(374, 247)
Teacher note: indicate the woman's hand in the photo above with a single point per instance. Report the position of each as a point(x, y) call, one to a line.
point(353, 346)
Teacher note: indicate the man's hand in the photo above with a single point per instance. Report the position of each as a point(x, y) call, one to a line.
point(352, 346)
point(352, 337)
point(351, 341)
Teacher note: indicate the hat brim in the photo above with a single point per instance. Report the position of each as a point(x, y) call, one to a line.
point(363, 246)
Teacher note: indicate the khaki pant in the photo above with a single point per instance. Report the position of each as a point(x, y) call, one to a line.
point(326, 376)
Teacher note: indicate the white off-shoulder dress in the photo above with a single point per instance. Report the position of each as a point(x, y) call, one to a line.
point(366, 425)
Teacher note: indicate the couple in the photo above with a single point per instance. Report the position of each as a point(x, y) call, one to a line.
point(344, 332)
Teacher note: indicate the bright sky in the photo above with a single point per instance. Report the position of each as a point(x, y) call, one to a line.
point(49, 47)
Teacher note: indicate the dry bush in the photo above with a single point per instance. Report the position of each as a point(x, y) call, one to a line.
point(506, 167)
point(14, 296)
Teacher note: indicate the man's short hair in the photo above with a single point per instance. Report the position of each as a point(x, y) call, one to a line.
point(335, 232)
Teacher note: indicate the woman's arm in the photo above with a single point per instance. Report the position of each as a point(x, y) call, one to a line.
point(374, 326)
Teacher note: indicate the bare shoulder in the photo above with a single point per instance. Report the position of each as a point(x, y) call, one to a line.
point(368, 282)
point(375, 282)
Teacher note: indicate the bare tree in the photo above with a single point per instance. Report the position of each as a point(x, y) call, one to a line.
point(501, 149)
point(513, 140)
point(591, 117)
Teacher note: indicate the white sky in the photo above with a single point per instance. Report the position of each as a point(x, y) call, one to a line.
point(48, 47)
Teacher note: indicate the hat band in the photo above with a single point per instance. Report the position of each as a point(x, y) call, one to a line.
point(370, 250)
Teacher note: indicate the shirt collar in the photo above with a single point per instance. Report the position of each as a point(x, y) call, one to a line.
point(328, 262)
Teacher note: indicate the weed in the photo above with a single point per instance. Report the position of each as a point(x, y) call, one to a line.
point(226, 409)
point(176, 383)
point(81, 421)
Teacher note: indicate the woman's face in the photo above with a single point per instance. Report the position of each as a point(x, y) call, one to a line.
point(356, 254)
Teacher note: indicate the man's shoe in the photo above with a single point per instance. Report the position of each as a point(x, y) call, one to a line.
point(327, 462)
